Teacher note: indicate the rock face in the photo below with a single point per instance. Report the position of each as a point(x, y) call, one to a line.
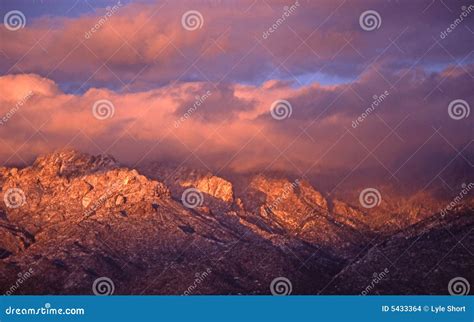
point(71, 219)
point(68, 163)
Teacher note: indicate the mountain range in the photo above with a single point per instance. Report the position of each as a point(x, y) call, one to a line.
point(72, 221)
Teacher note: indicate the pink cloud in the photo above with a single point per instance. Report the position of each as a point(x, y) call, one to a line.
point(144, 45)
point(232, 128)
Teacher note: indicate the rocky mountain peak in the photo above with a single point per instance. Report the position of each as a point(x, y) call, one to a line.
point(276, 190)
point(214, 186)
point(68, 162)
point(69, 186)
point(180, 178)
point(73, 217)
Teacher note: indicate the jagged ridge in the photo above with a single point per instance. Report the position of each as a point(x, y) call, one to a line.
point(87, 216)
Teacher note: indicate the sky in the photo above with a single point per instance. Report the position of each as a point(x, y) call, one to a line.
point(311, 88)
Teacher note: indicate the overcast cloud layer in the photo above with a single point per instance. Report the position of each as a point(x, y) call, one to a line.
point(376, 100)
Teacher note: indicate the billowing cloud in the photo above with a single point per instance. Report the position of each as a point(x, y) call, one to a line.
point(144, 45)
point(131, 81)
point(330, 127)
